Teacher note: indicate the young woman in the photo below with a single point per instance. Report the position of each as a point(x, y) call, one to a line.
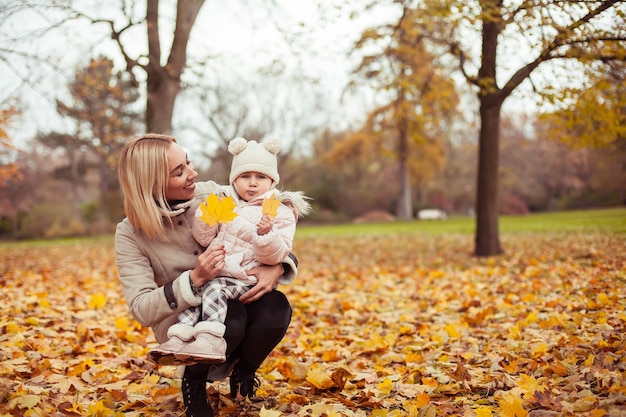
point(160, 265)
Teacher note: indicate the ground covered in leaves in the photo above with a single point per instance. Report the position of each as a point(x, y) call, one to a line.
point(401, 325)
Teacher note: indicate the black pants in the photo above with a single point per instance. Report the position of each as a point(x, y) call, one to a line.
point(252, 331)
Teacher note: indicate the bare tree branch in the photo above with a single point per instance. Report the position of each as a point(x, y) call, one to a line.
point(550, 50)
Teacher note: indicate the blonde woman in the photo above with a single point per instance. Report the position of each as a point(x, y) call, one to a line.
point(161, 266)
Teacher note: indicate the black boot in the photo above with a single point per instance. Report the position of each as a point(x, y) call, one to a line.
point(194, 392)
point(243, 382)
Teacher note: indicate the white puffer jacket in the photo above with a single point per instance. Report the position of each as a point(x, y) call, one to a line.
point(245, 248)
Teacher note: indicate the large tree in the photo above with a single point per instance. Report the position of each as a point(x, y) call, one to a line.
point(163, 65)
point(518, 38)
point(158, 61)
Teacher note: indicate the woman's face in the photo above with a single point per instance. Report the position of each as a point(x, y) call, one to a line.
point(182, 180)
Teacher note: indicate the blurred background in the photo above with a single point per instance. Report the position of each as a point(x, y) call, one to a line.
point(384, 107)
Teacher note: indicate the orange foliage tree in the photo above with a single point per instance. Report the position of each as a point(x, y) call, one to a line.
point(11, 176)
point(8, 170)
point(420, 99)
point(101, 106)
point(595, 116)
point(595, 112)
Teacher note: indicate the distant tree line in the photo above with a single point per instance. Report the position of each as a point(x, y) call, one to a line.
point(65, 184)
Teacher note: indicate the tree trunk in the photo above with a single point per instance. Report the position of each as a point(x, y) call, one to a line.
point(164, 81)
point(487, 238)
point(404, 210)
point(404, 207)
point(162, 92)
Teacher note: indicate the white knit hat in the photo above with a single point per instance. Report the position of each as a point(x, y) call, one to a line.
point(250, 156)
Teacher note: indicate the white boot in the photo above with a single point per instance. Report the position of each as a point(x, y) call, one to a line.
point(178, 335)
point(209, 345)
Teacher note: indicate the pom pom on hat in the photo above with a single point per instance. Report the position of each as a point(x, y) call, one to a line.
point(250, 156)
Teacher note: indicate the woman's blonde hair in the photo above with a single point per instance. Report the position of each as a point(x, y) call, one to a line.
point(144, 173)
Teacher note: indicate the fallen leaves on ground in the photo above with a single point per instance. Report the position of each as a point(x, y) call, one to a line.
point(383, 326)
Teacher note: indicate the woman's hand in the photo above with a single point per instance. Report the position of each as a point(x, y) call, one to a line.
point(208, 265)
point(267, 278)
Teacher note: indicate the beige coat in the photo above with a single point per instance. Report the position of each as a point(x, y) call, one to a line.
point(145, 266)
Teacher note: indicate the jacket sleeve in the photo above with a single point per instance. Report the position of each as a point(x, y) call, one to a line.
point(290, 266)
point(150, 304)
point(273, 247)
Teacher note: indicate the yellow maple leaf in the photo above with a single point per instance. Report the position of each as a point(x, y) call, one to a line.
point(452, 331)
point(217, 210)
point(33, 321)
point(99, 409)
point(603, 299)
point(270, 206)
point(13, 327)
point(483, 411)
point(385, 386)
point(97, 301)
point(514, 332)
point(152, 379)
point(539, 349)
point(511, 406)
point(529, 384)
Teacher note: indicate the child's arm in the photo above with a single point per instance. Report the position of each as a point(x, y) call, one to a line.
point(264, 225)
point(201, 231)
point(274, 246)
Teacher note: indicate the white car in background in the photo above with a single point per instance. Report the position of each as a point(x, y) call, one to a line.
point(432, 214)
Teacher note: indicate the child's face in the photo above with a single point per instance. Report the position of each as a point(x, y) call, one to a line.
point(250, 184)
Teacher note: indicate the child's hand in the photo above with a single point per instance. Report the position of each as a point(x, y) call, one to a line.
point(264, 225)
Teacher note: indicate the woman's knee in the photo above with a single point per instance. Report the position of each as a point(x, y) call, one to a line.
point(273, 308)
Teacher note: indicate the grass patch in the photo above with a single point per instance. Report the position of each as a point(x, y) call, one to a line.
point(604, 220)
point(64, 241)
point(601, 220)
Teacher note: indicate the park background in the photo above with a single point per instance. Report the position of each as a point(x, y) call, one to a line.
point(508, 117)
point(382, 106)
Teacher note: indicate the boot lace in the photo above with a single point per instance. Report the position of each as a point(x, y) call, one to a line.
point(195, 398)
